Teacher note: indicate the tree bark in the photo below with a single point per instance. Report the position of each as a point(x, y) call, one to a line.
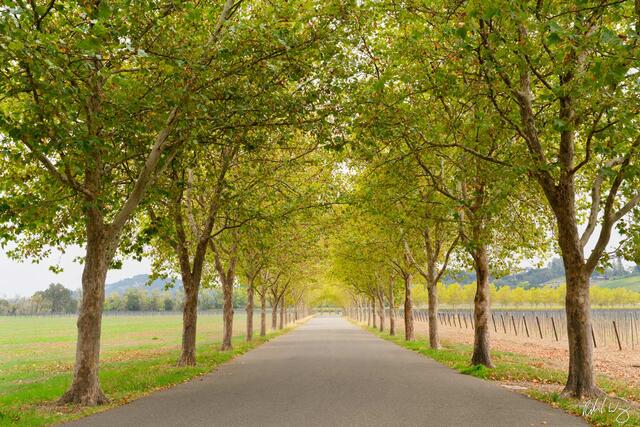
point(263, 313)
point(189, 322)
point(227, 313)
point(250, 313)
point(381, 312)
point(282, 313)
point(373, 312)
point(392, 318)
point(408, 309)
point(368, 316)
point(85, 388)
point(434, 336)
point(227, 277)
point(274, 314)
point(581, 381)
point(482, 309)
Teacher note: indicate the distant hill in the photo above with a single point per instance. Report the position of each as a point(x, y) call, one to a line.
point(532, 277)
point(553, 275)
point(631, 283)
point(139, 282)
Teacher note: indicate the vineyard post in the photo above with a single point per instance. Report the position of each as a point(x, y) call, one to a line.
point(494, 323)
point(526, 328)
point(615, 329)
point(593, 336)
point(515, 329)
point(539, 328)
point(554, 328)
point(503, 325)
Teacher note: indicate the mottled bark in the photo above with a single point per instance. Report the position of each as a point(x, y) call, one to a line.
point(434, 336)
point(482, 310)
point(373, 313)
point(227, 278)
point(263, 313)
point(581, 381)
point(392, 307)
point(274, 314)
point(381, 311)
point(408, 309)
point(85, 388)
point(249, 336)
point(227, 314)
point(189, 322)
point(282, 315)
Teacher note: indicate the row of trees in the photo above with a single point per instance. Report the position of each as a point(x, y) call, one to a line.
point(185, 132)
point(476, 133)
point(56, 299)
point(485, 132)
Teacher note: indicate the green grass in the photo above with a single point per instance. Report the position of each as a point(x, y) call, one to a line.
point(138, 356)
point(631, 283)
point(512, 367)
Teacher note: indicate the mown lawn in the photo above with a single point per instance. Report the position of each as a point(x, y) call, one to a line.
point(516, 368)
point(138, 356)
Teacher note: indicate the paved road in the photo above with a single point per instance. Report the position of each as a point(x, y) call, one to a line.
point(331, 373)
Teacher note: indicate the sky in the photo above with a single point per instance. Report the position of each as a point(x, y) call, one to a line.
point(25, 278)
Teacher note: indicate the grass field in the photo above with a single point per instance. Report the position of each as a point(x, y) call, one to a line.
point(138, 355)
point(631, 283)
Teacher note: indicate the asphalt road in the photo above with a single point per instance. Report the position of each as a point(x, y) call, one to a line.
point(331, 373)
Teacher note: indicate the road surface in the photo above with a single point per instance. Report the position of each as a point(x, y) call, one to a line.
point(329, 372)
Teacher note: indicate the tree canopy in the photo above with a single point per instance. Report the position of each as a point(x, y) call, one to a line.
point(317, 152)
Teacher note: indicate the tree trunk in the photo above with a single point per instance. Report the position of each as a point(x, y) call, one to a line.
point(227, 314)
point(381, 300)
point(581, 381)
point(373, 313)
point(189, 322)
point(263, 313)
point(281, 326)
point(434, 336)
point(250, 313)
point(85, 388)
point(482, 309)
point(408, 309)
point(274, 315)
point(368, 316)
point(392, 317)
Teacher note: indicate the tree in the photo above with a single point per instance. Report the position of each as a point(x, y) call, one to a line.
point(559, 77)
point(94, 117)
point(133, 300)
point(58, 299)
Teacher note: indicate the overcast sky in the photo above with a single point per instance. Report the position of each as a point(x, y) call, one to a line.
point(25, 278)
